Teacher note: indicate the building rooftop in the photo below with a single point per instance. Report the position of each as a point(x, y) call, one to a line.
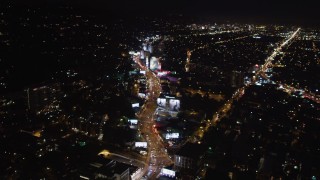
point(191, 150)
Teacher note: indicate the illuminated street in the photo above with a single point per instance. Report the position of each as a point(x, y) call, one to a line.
point(157, 156)
point(171, 90)
point(224, 110)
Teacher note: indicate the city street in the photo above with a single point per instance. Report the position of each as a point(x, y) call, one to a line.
point(224, 110)
point(157, 156)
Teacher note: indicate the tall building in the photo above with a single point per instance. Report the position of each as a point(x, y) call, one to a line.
point(187, 66)
point(103, 168)
point(189, 156)
point(150, 48)
point(237, 79)
point(43, 98)
point(104, 119)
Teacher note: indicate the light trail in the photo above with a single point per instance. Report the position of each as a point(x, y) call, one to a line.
point(287, 88)
point(156, 158)
point(224, 110)
point(219, 42)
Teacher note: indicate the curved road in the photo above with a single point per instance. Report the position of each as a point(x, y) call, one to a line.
point(157, 155)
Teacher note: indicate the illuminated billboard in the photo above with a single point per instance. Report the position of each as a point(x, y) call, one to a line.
point(172, 135)
point(142, 72)
point(162, 102)
point(168, 172)
point(135, 105)
point(141, 144)
point(174, 104)
point(133, 121)
point(154, 64)
point(134, 53)
point(163, 73)
point(142, 95)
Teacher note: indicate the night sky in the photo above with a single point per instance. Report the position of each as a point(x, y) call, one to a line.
point(299, 11)
point(283, 11)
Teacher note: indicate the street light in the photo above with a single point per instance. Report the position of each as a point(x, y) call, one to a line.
point(104, 153)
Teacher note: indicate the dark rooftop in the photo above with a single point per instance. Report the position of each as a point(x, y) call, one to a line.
point(191, 150)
